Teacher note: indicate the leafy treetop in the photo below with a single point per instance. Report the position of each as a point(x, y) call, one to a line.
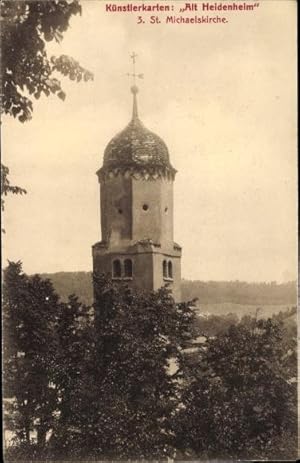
point(26, 68)
point(26, 26)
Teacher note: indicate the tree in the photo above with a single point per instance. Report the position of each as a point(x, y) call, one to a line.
point(26, 69)
point(239, 398)
point(46, 343)
point(126, 398)
point(30, 308)
point(98, 383)
point(7, 188)
point(26, 66)
point(215, 324)
point(72, 370)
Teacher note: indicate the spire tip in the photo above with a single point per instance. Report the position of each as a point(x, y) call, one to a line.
point(134, 89)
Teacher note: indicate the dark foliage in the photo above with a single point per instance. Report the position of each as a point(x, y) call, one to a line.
point(29, 313)
point(26, 68)
point(213, 325)
point(125, 409)
point(96, 382)
point(6, 186)
point(72, 375)
point(113, 394)
point(240, 395)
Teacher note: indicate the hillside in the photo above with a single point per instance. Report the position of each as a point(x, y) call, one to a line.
point(207, 292)
point(240, 292)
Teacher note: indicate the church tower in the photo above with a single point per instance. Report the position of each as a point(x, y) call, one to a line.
point(136, 191)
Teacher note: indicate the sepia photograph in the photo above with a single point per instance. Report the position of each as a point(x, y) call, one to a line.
point(149, 230)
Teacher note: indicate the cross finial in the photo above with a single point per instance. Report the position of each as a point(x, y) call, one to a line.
point(134, 88)
point(133, 56)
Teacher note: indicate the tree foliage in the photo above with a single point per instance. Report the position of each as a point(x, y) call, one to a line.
point(240, 395)
point(6, 186)
point(27, 70)
point(29, 313)
point(44, 352)
point(129, 378)
point(126, 397)
point(72, 372)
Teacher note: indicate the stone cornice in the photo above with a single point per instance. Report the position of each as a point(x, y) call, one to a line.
point(143, 172)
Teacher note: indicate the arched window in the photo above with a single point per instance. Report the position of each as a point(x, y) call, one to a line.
point(165, 269)
point(128, 268)
point(116, 269)
point(170, 269)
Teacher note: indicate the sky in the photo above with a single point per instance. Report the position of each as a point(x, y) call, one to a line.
point(223, 98)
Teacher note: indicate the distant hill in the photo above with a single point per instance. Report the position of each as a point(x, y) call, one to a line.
point(240, 292)
point(78, 283)
point(207, 292)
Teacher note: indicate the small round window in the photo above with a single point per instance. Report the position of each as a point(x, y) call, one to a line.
point(145, 207)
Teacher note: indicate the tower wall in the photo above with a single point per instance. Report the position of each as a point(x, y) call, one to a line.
point(137, 224)
point(142, 262)
point(159, 280)
point(147, 263)
point(116, 209)
point(152, 210)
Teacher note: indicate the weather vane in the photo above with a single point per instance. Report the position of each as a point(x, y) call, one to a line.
point(133, 56)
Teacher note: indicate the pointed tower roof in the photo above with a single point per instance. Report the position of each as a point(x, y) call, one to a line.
point(136, 145)
point(134, 90)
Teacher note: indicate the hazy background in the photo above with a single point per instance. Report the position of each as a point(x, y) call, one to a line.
point(223, 97)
